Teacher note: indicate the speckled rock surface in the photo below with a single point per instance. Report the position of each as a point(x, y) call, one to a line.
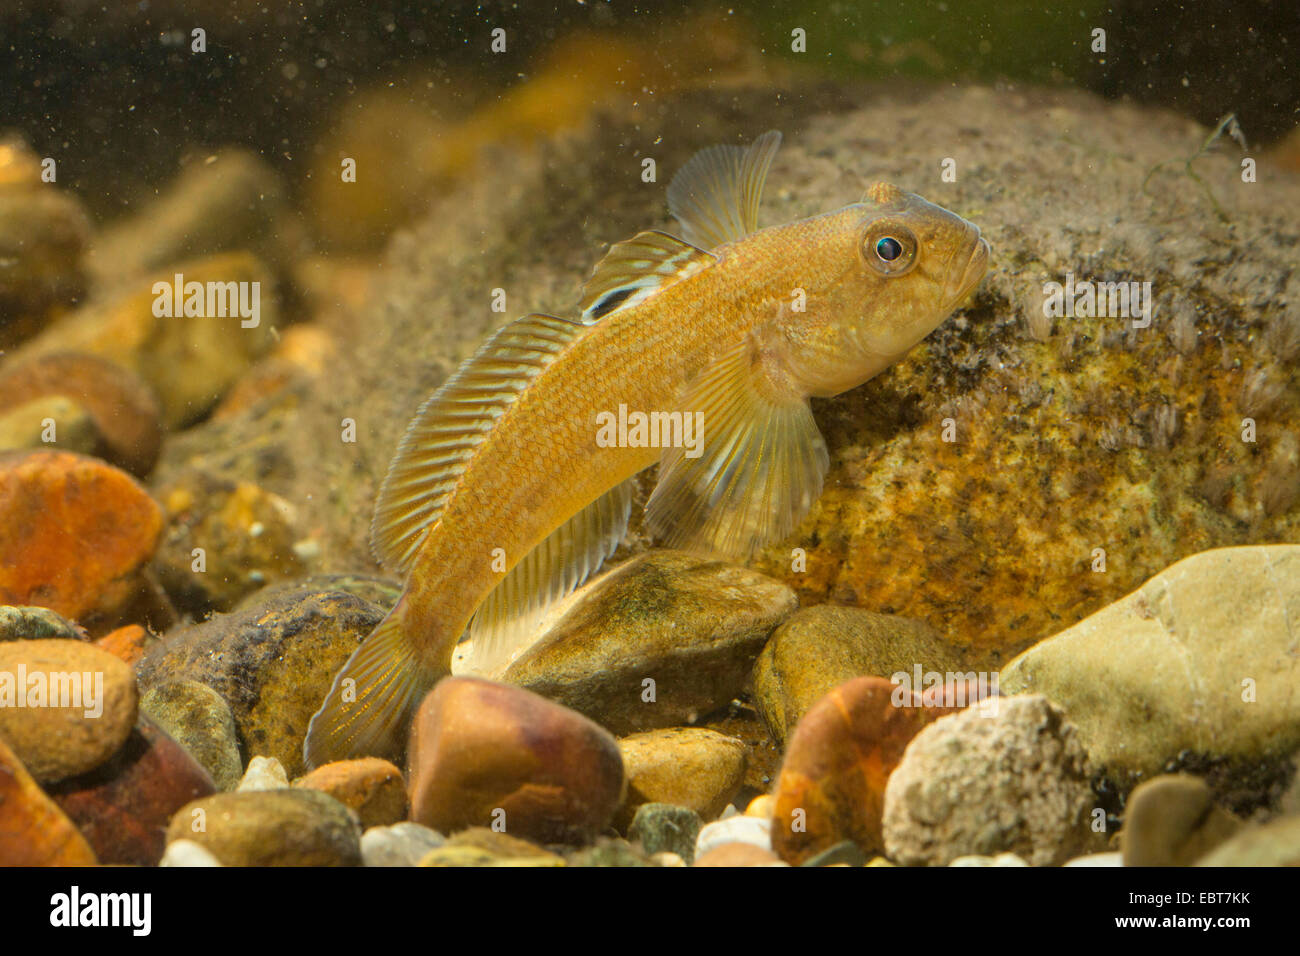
point(1007, 775)
point(272, 662)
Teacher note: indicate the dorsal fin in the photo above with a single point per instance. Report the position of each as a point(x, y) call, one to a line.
point(635, 269)
point(451, 424)
point(509, 617)
point(715, 196)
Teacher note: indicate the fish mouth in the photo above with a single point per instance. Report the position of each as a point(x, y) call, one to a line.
point(965, 280)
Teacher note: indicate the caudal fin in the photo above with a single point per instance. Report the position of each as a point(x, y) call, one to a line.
point(368, 710)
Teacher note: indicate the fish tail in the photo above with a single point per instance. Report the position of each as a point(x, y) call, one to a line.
point(369, 708)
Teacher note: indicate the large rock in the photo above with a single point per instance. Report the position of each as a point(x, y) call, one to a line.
point(372, 788)
point(287, 827)
point(487, 754)
point(1007, 775)
point(1198, 665)
point(75, 534)
point(65, 706)
point(690, 626)
point(272, 662)
point(821, 647)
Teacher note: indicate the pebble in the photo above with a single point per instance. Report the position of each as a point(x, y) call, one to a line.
point(199, 719)
point(55, 743)
point(484, 753)
point(247, 535)
point(820, 647)
point(1097, 859)
point(479, 846)
point(123, 807)
point(832, 780)
point(689, 625)
point(753, 831)
point(36, 623)
point(75, 535)
point(662, 827)
point(188, 363)
point(608, 852)
point(50, 420)
point(263, 773)
point(687, 766)
point(1172, 820)
point(187, 853)
point(285, 827)
point(1198, 662)
point(739, 854)
point(1008, 775)
point(127, 643)
point(125, 419)
point(372, 788)
point(1276, 843)
point(667, 859)
point(272, 661)
point(401, 844)
point(33, 830)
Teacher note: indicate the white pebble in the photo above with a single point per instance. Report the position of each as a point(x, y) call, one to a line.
point(264, 773)
point(402, 844)
point(756, 831)
point(187, 853)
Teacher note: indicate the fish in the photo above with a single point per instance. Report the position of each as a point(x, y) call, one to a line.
point(514, 482)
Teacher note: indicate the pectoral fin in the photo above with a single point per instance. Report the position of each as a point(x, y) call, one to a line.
point(760, 467)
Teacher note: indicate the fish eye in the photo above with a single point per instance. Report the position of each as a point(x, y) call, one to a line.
point(889, 248)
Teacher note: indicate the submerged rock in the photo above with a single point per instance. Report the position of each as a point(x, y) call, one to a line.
point(402, 844)
point(75, 534)
point(1276, 843)
point(821, 647)
point(1172, 821)
point(272, 662)
point(35, 624)
point(199, 719)
point(124, 807)
point(490, 754)
point(832, 782)
point(665, 828)
point(1197, 664)
point(33, 830)
point(271, 828)
point(372, 788)
point(1005, 776)
point(659, 642)
point(78, 706)
point(694, 768)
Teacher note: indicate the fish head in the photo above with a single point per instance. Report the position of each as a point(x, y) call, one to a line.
point(905, 265)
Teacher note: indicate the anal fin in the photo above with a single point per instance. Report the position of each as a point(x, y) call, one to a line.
point(508, 618)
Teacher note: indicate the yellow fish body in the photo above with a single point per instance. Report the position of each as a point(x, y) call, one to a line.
point(514, 481)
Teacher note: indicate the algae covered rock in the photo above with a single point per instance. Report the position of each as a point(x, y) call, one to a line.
point(272, 662)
